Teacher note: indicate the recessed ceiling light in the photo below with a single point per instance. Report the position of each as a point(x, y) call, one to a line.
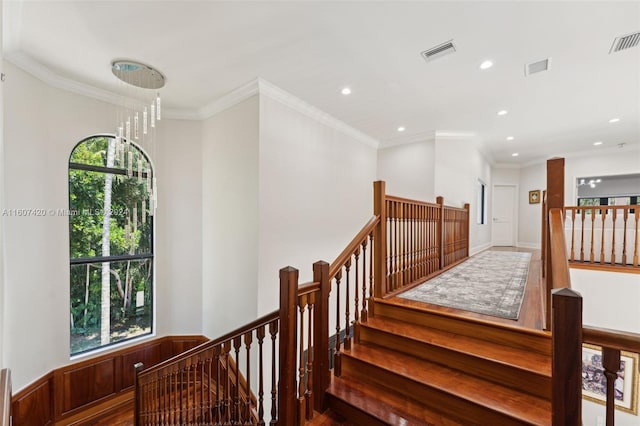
point(346, 91)
point(597, 143)
point(614, 120)
point(401, 129)
point(510, 138)
point(486, 65)
point(515, 154)
point(503, 112)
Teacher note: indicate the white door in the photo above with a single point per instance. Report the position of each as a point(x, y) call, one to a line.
point(504, 214)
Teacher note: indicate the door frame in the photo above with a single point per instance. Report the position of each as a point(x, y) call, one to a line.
point(515, 210)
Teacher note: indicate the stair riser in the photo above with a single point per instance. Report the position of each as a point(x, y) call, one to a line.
point(450, 405)
point(523, 380)
point(522, 339)
point(353, 414)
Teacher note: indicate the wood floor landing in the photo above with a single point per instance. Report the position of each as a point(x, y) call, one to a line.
point(531, 312)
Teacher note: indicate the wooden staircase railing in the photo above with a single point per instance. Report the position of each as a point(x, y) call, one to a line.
point(210, 384)
point(418, 238)
point(603, 235)
point(5, 397)
point(215, 383)
point(568, 333)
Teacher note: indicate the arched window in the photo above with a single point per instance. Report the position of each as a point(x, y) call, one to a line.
point(110, 243)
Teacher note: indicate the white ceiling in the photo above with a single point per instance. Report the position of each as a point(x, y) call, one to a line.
point(206, 49)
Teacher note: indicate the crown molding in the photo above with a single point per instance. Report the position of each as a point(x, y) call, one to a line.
point(507, 166)
point(580, 154)
point(247, 90)
point(427, 136)
point(44, 74)
point(227, 101)
point(272, 91)
point(457, 134)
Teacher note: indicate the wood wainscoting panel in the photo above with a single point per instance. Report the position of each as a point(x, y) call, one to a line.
point(68, 391)
point(148, 355)
point(33, 405)
point(87, 384)
point(178, 345)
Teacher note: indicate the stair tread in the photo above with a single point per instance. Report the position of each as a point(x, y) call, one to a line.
point(529, 408)
point(328, 418)
point(385, 406)
point(532, 340)
point(508, 355)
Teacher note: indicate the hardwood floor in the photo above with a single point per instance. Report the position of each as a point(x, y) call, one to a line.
point(531, 312)
point(121, 415)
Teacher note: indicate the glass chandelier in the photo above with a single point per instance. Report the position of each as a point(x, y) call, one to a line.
point(137, 121)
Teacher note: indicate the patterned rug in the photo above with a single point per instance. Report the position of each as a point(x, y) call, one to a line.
point(490, 283)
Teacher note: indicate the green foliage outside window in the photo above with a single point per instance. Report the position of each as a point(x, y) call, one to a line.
point(97, 232)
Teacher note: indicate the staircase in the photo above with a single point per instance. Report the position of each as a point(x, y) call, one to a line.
point(412, 366)
point(391, 364)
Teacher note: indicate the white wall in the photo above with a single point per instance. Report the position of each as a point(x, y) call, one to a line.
point(2, 309)
point(38, 140)
point(610, 300)
point(505, 176)
point(230, 218)
point(408, 170)
point(316, 186)
point(458, 166)
point(42, 125)
point(530, 215)
point(178, 276)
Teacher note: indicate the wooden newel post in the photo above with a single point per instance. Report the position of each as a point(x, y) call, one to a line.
point(380, 241)
point(567, 358)
point(466, 231)
point(321, 374)
point(288, 333)
point(555, 199)
point(611, 364)
point(440, 237)
point(543, 244)
point(138, 367)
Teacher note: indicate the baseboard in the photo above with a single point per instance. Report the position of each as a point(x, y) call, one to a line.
point(478, 249)
point(535, 246)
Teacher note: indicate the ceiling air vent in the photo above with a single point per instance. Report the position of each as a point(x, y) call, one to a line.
point(535, 67)
point(625, 42)
point(438, 51)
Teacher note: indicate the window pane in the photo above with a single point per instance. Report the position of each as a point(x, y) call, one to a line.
point(130, 304)
point(92, 151)
point(130, 227)
point(110, 215)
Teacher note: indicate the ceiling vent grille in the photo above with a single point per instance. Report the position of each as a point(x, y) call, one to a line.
point(625, 42)
point(536, 67)
point(438, 51)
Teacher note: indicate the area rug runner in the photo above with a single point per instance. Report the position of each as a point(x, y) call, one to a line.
point(490, 283)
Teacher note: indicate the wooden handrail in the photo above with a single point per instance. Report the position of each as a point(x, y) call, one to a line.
point(577, 208)
point(307, 288)
point(367, 229)
point(558, 248)
point(264, 320)
point(5, 397)
point(411, 201)
point(614, 339)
